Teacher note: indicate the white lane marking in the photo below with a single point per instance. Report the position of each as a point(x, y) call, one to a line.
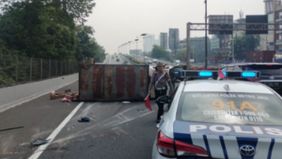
point(53, 135)
point(23, 100)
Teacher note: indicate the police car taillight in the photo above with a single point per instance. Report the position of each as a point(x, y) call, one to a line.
point(172, 148)
point(184, 149)
point(165, 145)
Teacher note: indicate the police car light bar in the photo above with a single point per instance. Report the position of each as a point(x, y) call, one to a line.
point(204, 74)
point(249, 74)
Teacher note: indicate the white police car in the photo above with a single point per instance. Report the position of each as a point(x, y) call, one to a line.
point(221, 119)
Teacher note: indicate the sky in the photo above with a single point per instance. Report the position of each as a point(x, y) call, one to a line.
point(118, 21)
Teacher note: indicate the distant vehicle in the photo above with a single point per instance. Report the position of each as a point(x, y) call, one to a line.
point(149, 61)
point(270, 73)
point(155, 60)
point(177, 62)
point(220, 119)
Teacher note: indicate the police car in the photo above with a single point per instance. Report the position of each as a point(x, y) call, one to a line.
point(270, 73)
point(221, 119)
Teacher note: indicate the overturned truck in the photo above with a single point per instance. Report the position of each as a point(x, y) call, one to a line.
point(100, 82)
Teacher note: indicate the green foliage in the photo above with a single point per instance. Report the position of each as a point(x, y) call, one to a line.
point(245, 44)
point(37, 30)
point(47, 29)
point(181, 55)
point(160, 53)
point(5, 79)
point(87, 45)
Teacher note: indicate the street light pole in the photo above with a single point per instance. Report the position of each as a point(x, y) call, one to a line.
point(136, 40)
point(143, 35)
point(129, 47)
point(206, 35)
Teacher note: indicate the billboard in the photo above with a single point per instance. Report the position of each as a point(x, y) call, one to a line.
point(256, 24)
point(220, 24)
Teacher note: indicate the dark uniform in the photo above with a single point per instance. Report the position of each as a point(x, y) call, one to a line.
point(162, 87)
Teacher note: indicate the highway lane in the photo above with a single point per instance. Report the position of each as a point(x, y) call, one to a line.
point(21, 125)
point(116, 59)
point(116, 130)
point(123, 130)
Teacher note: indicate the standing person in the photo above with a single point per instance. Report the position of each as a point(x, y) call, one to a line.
point(161, 82)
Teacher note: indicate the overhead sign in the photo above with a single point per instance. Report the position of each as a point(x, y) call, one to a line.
point(220, 24)
point(256, 24)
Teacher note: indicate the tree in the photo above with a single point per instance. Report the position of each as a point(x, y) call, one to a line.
point(48, 28)
point(245, 44)
point(77, 9)
point(87, 45)
point(160, 53)
point(38, 30)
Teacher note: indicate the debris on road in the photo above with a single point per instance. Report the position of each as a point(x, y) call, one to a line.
point(38, 142)
point(66, 96)
point(84, 120)
point(55, 95)
point(126, 102)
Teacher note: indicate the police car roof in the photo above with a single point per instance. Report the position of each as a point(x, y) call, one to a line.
point(252, 63)
point(219, 86)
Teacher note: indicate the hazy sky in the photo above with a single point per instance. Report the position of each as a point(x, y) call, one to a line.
point(119, 21)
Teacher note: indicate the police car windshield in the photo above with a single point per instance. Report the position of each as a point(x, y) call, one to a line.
point(230, 108)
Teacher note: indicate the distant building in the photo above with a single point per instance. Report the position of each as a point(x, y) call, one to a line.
point(270, 5)
point(220, 49)
point(215, 44)
point(149, 42)
point(240, 30)
point(273, 9)
point(173, 39)
point(197, 46)
point(278, 33)
point(270, 35)
point(182, 44)
point(164, 41)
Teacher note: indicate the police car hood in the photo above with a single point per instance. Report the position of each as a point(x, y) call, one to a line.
point(232, 141)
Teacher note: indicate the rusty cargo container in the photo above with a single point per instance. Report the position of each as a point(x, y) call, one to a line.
point(101, 82)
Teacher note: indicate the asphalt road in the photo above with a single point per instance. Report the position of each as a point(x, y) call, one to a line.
point(116, 130)
point(21, 125)
point(117, 59)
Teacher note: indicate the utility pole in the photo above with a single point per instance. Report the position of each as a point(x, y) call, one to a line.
point(188, 55)
point(206, 34)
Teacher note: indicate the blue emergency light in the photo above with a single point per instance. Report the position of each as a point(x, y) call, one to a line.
point(205, 74)
point(249, 74)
